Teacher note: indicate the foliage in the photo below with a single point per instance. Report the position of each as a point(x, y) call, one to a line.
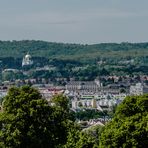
point(26, 120)
point(73, 137)
point(61, 101)
point(61, 116)
point(95, 132)
point(29, 121)
point(10, 75)
point(87, 114)
point(86, 141)
point(59, 50)
point(129, 127)
point(77, 139)
point(87, 138)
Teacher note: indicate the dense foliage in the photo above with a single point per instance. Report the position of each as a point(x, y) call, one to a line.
point(29, 121)
point(129, 127)
point(60, 50)
point(88, 138)
point(42, 51)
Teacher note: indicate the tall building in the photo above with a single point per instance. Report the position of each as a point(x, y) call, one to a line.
point(27, 60)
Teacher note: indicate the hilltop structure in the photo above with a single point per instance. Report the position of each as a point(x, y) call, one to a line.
point(27, 60)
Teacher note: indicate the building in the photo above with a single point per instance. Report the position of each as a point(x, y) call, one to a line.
point(138, 89)
point(27, 60)
point(88, 86)
point(101, 105)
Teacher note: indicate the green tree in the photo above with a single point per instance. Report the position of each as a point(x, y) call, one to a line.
point(86, 141)
point(62, 119)
point(61, 102)
point(29, 121)
point(79, 139)
point(129, 127)
point(86, 138)
point(26, 120)
point(73, 136)
point(7, 76)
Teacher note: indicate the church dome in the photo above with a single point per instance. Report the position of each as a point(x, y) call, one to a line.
point(27, 60)
point(28, 56)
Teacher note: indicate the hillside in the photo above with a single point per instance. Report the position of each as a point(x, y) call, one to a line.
point(82, 62)
point(50, 50)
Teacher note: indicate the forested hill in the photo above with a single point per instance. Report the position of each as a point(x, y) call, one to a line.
point(51, 50)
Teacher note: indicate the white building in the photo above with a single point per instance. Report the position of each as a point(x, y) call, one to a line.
point(3, 93)
point(94, 104)
point(27, 60)
point(88, 86)
point(138, 89)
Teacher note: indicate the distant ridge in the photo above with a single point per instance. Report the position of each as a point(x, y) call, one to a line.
point(52, 50)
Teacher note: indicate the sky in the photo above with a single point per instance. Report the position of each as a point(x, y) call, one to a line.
point(74, 21)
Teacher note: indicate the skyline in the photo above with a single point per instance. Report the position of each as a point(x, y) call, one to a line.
point(74, 21)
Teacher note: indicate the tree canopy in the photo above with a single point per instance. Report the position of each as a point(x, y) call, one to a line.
point(129, 127)
point(26, 120)
point(29, 121)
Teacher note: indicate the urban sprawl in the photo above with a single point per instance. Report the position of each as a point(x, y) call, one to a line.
point(82, 95)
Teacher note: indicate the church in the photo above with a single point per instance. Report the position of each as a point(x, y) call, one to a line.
point(27, 60)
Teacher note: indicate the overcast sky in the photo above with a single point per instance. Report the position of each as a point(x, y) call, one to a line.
point(74, 21)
